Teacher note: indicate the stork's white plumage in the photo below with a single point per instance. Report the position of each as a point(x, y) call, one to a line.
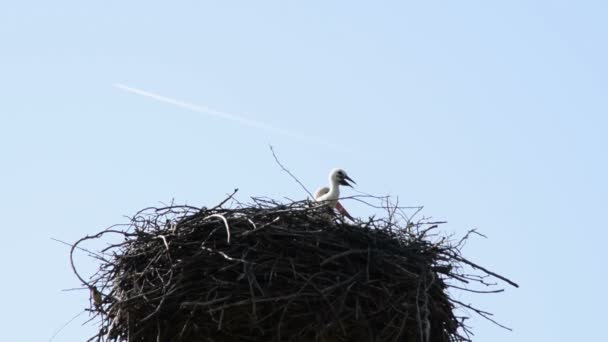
point(330, 195)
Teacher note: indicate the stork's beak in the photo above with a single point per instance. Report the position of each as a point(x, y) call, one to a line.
point(344, 181)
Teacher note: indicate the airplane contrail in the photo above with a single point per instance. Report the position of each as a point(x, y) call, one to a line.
point(224, 115)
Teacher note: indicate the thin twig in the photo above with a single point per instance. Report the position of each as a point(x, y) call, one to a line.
point(289, 172)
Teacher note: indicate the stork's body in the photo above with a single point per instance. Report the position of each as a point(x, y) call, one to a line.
point(325, 194)
point(330, 195)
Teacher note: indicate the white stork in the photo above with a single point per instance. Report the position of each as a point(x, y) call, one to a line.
point(330, 195)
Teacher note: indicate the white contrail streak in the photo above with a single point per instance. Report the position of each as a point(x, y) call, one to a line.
point(223, 115)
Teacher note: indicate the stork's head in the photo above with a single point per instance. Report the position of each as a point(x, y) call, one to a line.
point(339, 176)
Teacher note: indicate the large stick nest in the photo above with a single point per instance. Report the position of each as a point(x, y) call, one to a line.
point(277, 272)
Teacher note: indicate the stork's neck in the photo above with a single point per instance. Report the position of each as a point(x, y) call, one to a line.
point(334, 188)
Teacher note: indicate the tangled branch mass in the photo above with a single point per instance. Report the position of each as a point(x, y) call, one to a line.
point(270, 271)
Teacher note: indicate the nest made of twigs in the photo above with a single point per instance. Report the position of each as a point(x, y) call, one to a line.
point(276, 272)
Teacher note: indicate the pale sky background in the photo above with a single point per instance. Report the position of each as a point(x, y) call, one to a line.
point(491, 114)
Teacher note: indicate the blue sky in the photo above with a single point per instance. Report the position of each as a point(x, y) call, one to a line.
point(493, 115)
